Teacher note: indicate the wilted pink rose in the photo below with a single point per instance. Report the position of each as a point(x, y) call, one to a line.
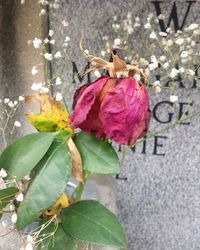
point(116, 108)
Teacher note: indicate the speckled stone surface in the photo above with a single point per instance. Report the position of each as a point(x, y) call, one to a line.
point(159, 204)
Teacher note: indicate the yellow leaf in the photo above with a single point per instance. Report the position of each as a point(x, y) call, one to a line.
point(77, 169)
point(52, 116)
point(62, 202)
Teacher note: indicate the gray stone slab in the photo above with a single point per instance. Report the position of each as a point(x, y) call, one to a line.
point(159, 204)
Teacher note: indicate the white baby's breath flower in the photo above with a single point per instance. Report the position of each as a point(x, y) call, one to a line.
point(169, 30)
point(42, 12)
point(6, 100)
point(169, 43)
point(157, 86)
point(193, 26)
point(97, 73)
point(153, 66)
point(174, 72)
point(3, 173)
point(193, 43)
point(117, 41)
point(46, 40)
point(58, 55)
point(29, 246)
point(166, 65)
point(147, 26)
point(65, 23)
point(153, 35)
point(36, 86)
point(51, 32)
point(21, 98)
point(58, 81)
point(52, 41)
point(162, 58)
point(34, 70)
point(48, 56)
point(37, 43)
point(14, 218)
point(184, 54)
point(179, 41)
point(190, 72)
point(44, 90)
point(20, 197)
point(173, 98)
point(58, 96)
point(163, 34)
point(181, 70)
point(67, 39)
point(11, 104)
point(17, 124)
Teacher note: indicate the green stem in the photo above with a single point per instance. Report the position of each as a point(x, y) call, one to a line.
point(79, 191)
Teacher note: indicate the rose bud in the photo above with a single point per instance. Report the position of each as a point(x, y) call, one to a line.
point(115, 106)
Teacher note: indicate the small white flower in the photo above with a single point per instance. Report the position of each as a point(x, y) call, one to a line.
point(51, 32)
point(156, 83)
point(48, 56)
point(58, 81)
point(193, 26)
point(157, 86)
point(11, 104)
point(3, 173)
point(153, 66)
point(190, 72)
point(42, 12)
point(174, 72)
point(67, 39)
point(137, 19)
point(37, 43)
point(117, 41)
point(17, 124)
point(46, 40)
point(179, 41)
point(169, 30)
point(20, 197)
point(193, 43)
point(166, 65)
point(14, 218)
point(184, 54)
point(97, 73)
point(36, 86)
point(6, 100)
point(173, 98)
point(29, 246)
point(44, 90)
point(153, 35)
point(34, 71)
point(162, 58)
point(58, 55)
point(21, 98)
point(58, 97)
point(147, 26)
point(169, 43)
point(52, 41)
point(103, 53)
point(65, 23)
point(163, 34)
point(181, 70)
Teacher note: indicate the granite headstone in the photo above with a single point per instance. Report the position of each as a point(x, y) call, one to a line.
point(158, 194)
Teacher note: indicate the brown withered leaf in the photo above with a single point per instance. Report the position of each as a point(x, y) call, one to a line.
point(77, 168)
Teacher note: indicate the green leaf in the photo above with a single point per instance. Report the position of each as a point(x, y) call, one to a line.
point(20, 157)
point(58, 239)
point(91, 222)
point(98, 156)
point(53, 173)
point(6, 195)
